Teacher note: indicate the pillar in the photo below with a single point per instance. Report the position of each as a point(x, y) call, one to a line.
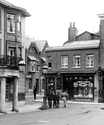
point(100, 100)
point(2, 94)
point(15, 95)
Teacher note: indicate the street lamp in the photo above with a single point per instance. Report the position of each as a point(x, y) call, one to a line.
point(21, 65)
point(45, 70)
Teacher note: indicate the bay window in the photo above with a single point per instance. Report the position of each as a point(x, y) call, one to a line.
point(13, 23)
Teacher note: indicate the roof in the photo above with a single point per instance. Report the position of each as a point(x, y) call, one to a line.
point(32, 58)
point(40, 44)
point(11, 6)
point(76, 45)
point(89, 33)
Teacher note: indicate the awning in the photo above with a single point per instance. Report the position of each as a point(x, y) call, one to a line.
point(32, 58)
point(43, 58)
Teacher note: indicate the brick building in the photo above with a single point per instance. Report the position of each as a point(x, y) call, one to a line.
point(77, 66)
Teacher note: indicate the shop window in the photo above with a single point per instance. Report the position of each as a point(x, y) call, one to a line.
point(90, 61)
point(76, 61)
point(10, 23)
point(83, 89)
point(64, 61)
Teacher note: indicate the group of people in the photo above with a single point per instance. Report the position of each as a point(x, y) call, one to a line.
point(55, 97)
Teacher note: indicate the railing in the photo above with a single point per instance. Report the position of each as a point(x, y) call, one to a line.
point(9, 61)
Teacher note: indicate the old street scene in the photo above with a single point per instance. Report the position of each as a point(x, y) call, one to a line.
point(44, 83)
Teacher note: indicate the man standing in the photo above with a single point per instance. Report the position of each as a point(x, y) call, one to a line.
point(34, 92)
point(64, 97)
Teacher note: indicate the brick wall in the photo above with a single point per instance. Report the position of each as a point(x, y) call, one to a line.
point(56, 59)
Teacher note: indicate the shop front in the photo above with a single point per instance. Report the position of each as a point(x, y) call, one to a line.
point(80, 87)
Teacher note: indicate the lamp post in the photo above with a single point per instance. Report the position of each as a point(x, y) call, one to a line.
point(44, 71)
point(100, 76)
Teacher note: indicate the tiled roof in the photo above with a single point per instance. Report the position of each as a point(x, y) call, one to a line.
point(76, 45)
point(9, 5)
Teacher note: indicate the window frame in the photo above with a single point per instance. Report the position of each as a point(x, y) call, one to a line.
point(49, 62)
point(64, 63)
point(75, 61)
point(89, 63)
point(15, 21)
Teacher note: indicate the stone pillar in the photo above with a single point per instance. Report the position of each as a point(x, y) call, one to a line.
point(15, 95)
point(2, 95)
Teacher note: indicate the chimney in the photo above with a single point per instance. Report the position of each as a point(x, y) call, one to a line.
point(101, 46)
point(72, 32)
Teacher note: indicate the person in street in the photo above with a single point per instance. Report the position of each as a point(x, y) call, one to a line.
point(57, 99)
point(49, 97)
point(34, 92)
point(64, 97)
point(54, 99)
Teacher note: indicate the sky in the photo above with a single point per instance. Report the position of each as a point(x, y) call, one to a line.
point(50, 19)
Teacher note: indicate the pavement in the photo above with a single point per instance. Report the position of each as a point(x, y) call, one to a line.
point(32, 105)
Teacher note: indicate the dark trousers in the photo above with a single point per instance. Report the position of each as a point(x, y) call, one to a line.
point(34, 96)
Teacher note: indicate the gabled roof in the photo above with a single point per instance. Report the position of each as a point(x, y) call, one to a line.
point(34, 45)
point(89, 33)
point(41, 44)
point(30, 42)
point(76, 45)
point(11, 6)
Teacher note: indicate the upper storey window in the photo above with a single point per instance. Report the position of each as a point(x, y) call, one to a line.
point(76, 61)
point(10, 23)
point(18, 24)
point(49, 62)
point(64, 61)
point(13, 23)
point(90, 61)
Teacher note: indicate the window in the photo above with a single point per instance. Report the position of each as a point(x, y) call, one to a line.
point(12, 51)
point(90, 61)
point(13, 23)
point(76, 62)
point(64, 61)
point(49, 62)
point(18, 24)
point(10, 23)
point(20, 52)
point(0, 20)
point(32, 66)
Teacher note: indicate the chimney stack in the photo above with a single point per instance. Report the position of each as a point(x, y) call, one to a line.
point(72, 32)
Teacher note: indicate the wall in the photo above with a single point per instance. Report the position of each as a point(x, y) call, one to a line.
point(56, 59)
point(2, 32)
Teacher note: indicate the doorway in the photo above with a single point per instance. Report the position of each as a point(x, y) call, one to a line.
point(67, 85)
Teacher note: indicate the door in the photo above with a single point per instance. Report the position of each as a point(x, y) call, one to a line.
point(67, 85)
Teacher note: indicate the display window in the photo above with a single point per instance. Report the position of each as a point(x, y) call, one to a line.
point(83, 89)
